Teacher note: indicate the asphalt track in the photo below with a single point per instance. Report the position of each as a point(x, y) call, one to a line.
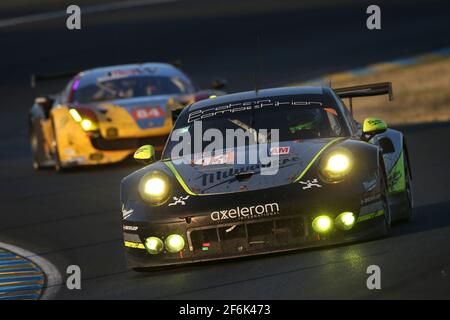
point(74, 218)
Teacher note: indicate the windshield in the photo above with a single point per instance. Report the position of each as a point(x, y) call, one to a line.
point(103, 89)
point(296, 118)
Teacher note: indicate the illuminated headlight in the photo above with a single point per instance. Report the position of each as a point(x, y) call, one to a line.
point(85, 123)
point(154, 245)
point(345, 221)
point(75, 115)
point(174, 243)
point(88, 125)
point(322, 224)
point(336, 165)
point(155, 187)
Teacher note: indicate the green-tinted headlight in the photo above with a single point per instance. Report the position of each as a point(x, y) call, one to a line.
point(345, 221)
point(322, 224)
point(336, 165)
point(154, 245)
point(174, 243)
point(154, 187)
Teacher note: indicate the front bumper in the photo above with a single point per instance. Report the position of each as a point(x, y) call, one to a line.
point(256, 238)
point(288, 229)
point(96, 150)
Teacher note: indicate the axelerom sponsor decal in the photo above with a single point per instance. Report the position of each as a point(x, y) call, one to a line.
point(241, 213)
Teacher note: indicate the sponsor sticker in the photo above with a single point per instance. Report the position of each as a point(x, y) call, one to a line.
point(130, 228)
point(126, 213)
point(242, 213)
point(235, 107)
point(278, 151)
point(148, 113)
point(117, 74)
point(227, 158)
point(178, 200)
point(308, 184)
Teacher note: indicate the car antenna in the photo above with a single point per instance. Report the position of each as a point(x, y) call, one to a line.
point(258, 69)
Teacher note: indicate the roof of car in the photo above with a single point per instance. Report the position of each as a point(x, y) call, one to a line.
point(156, 68)
point(260, 94)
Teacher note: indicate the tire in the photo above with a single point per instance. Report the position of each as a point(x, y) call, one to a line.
point(386, 206)
point(407, 214)
point(36, 148)
point(58, 165)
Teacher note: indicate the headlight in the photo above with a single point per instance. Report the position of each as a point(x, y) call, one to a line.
point(322, 224)
point(155, 187)
point(154, 245)
point(84, 118)
point(336, 165)
point(88, 125)
point(75, 115)
point(345, 221)
point(174, 243)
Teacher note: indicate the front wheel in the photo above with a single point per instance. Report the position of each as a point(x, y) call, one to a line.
point(58, 165)
point(386, 206)
point(408, 211)
point(36, 148)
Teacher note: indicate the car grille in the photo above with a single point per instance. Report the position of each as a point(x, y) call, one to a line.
point(101, 143)
point(249, 236)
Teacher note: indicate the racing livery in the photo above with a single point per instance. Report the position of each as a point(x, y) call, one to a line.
point(334, 181)
point(104, 114)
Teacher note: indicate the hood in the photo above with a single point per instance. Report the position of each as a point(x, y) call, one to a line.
point(210, 175)
point(146, 112)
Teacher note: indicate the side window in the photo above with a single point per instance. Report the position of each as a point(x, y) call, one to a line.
point(334, 123)
point(348, 115)
point(67, 92)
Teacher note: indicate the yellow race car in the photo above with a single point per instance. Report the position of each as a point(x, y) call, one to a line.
point(103, 115)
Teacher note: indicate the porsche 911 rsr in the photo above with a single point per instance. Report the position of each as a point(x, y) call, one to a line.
point(336, 180)
point(104, 114)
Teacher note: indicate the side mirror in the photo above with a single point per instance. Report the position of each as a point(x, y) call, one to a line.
point(372, 126)
point(145, 154)
point(45, 103)
point(219, 83)
point(41, 100)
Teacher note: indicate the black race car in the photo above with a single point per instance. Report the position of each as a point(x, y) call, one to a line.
point(327, 180)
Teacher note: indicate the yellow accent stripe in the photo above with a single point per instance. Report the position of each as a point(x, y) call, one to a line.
point(371, 215)
point(315, 158)
point(135, 245)
point(172, 168)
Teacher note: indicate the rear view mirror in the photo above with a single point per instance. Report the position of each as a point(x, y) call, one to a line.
point(45, 103)
point(373, 126)
point(145, 154)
